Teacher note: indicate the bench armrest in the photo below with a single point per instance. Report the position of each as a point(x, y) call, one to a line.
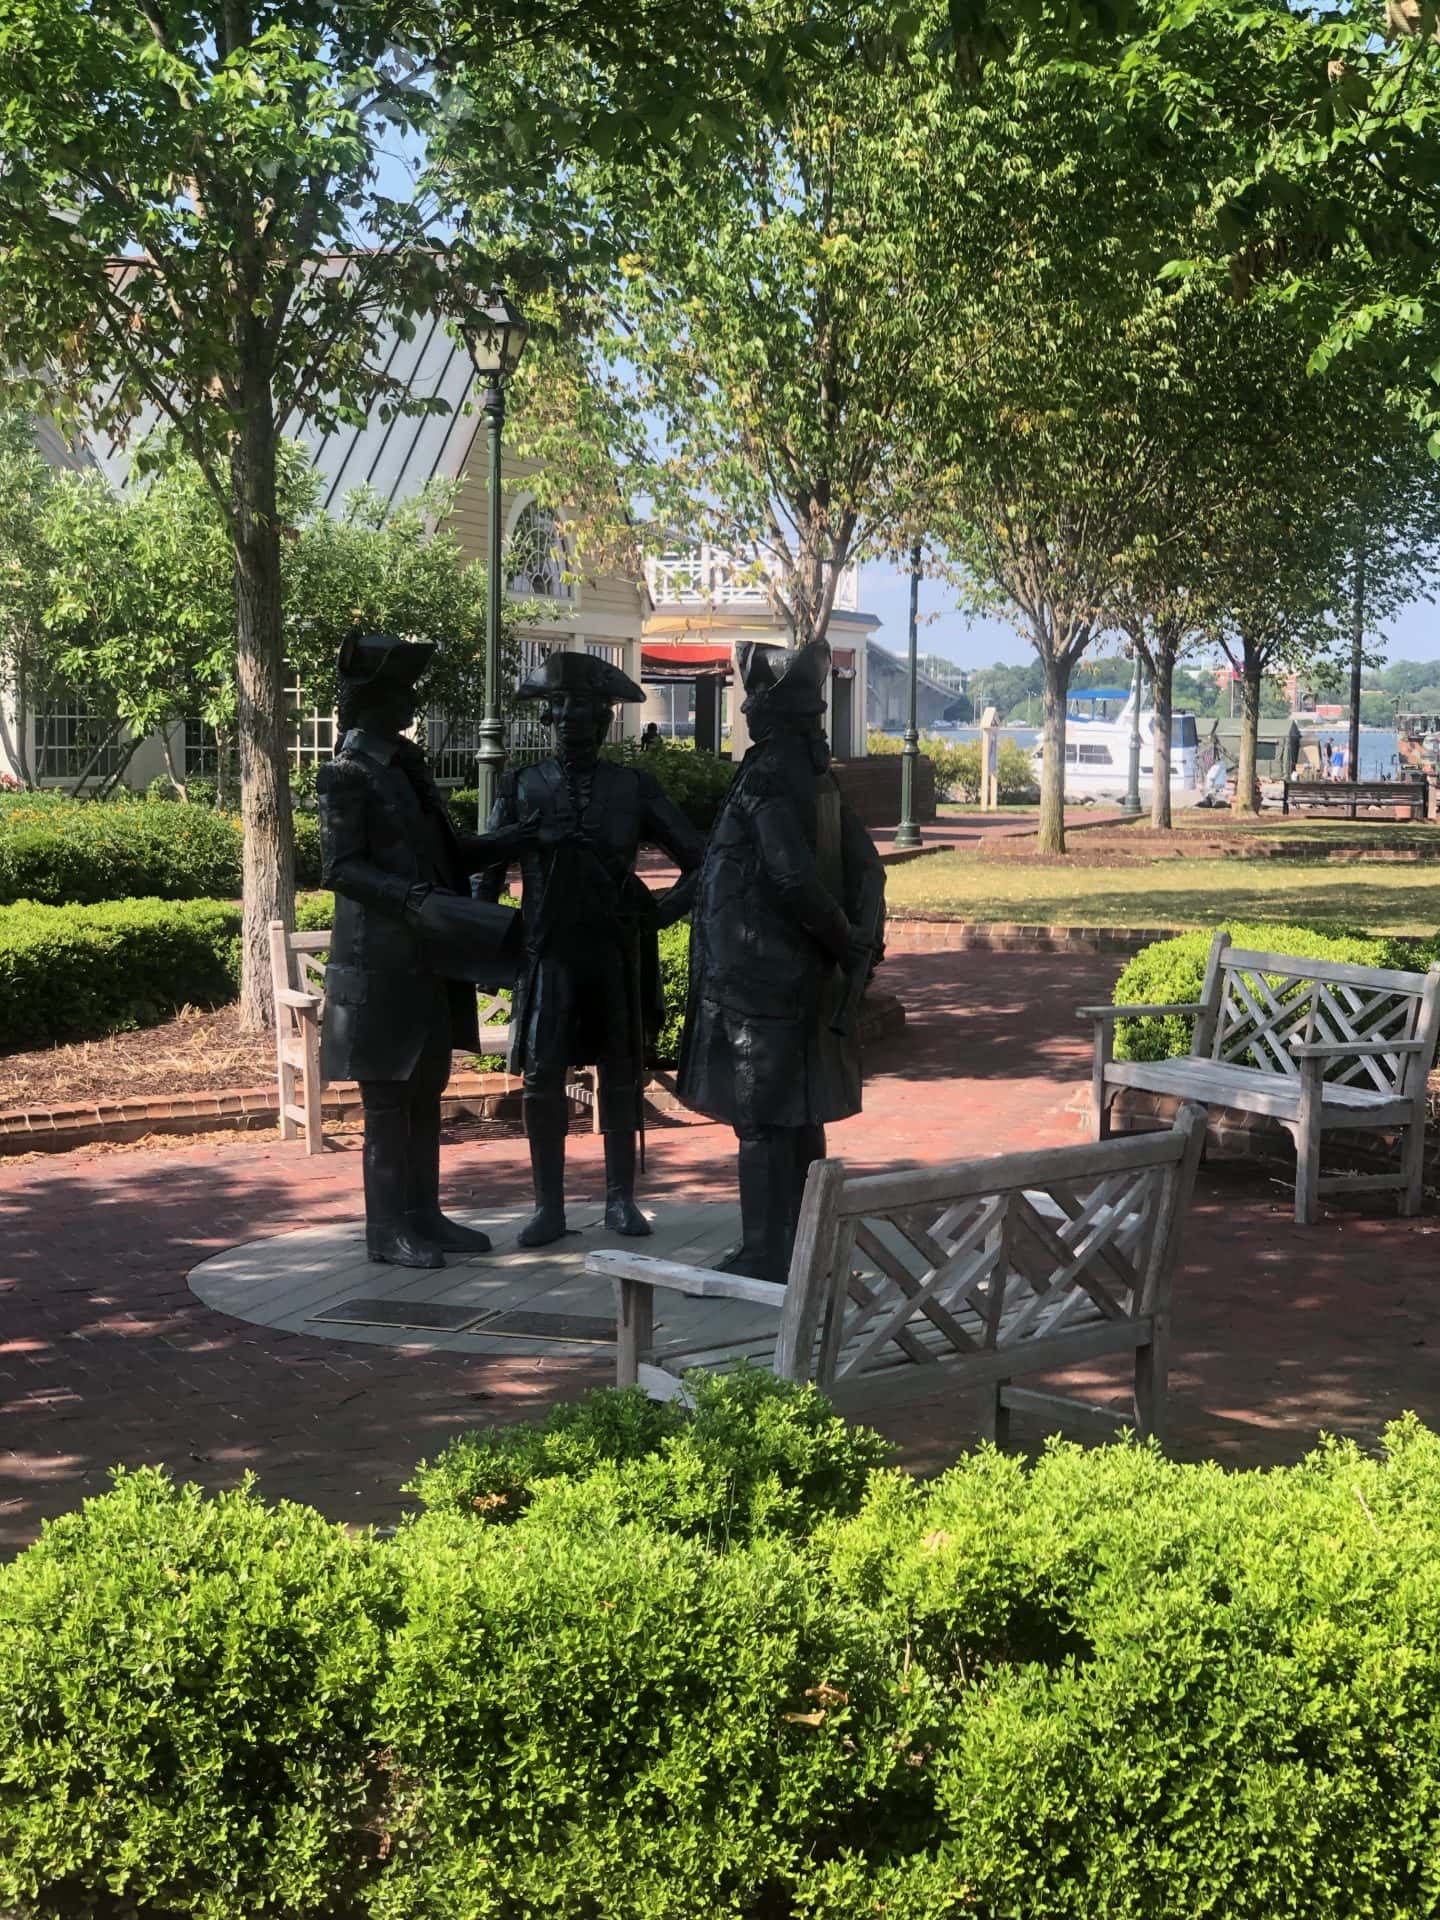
point(701, 1283)
point(301, 1002)
point(1140, 1013)
point(1354, 1049)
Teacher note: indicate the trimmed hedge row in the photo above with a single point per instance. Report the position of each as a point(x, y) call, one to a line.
point(80, 972)
point(958, 766)
point(727, 1667)
point(695, 780)
point(1174, 971)
point(78, 852)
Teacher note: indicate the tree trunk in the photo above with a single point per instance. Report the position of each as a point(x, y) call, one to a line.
point(1162, 694)
point(1247, 784)
point(269, 855)
point(1051, 835)
point(176, 770)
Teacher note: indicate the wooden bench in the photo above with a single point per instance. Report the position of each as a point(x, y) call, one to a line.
point(966, 1276)
point(1354, 794)
point(1315, 1045)
point(297, 976)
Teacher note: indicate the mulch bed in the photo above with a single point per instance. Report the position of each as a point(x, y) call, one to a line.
point(196, 1052)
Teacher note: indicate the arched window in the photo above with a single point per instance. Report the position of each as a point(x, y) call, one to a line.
point(535, 560)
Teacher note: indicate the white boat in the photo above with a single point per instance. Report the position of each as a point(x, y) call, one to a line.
point(1097, 750)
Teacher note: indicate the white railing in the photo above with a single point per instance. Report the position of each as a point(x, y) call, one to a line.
point(707, 576)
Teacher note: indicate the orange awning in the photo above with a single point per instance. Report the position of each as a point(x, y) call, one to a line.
point(685, 662)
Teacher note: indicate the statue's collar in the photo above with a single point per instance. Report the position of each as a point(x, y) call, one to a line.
point(375, 746)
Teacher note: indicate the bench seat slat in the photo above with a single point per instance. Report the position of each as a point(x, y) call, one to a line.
point(1252, 1090)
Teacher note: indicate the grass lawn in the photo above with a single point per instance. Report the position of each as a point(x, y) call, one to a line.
point(1171, 893)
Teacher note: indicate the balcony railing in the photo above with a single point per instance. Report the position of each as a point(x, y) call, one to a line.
point(709, 577)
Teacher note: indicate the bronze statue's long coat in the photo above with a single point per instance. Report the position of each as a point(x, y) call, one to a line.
point(784, 875)
point(573, 897)
point(384, 830)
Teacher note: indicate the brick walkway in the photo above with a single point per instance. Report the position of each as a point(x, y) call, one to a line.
point(106, 1356)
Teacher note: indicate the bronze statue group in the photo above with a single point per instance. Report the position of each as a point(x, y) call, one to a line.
point(786, 903)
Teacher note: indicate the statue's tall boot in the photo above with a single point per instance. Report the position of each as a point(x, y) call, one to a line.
point(621, 1213)
point(391, 1239)
point(547, 1120)
point(424, 1214)
point(767, 1177)
point(808, 1144)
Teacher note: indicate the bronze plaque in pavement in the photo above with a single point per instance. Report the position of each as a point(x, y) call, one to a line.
point(551, 1326)
point(429, 1316)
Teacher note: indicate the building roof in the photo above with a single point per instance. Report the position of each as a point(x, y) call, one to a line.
point(397, 457)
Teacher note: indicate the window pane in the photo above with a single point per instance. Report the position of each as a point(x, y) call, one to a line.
point(535, 559)
point(310, 730)
point(68, 736)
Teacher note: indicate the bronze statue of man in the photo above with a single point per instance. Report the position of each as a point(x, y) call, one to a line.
point(788, 925)
point(409, 946)
point(589, 988)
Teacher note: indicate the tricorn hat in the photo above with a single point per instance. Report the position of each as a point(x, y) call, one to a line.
point(368, 659)
point(578, 673)
point(787, 681)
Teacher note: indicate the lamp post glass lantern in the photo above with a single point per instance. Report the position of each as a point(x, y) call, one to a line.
point(907, 834)
point(495, 337)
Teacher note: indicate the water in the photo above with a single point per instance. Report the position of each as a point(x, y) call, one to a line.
point(1379, 746)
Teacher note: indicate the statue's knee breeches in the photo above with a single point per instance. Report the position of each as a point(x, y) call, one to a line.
point(545, 1079)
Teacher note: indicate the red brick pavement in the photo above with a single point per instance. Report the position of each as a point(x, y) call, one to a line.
point(105, 1355)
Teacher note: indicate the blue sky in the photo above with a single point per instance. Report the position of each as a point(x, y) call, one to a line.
point(1414, 634)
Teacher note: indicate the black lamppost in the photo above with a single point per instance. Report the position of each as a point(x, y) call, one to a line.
point(1130, 805)
point(907, 834)
point(496, 337)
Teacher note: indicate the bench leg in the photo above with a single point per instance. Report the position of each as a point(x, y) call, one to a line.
point(285, 1074)
point(634, 1329)
point(1307, 1145)
point(1307, 1176)
point(1412, 1165)
point(312, 1091)
point(1104, 1052)
point(1152, 1380)
point(994, 1417)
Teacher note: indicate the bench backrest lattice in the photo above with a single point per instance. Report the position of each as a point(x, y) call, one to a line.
point(992, 1267)
point(1260, 1006)
point(974, 1273)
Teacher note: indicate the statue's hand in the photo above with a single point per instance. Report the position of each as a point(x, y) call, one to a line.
point(861, 950)
point(565, 832)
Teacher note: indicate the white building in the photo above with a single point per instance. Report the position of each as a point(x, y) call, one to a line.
point(705, 604)
point(602, 614)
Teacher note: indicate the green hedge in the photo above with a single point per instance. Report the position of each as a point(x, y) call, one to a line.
point(1174, 970)
point(696, 781)
point(77, 852)
point(78, 973)
point(74, 973)
point(957, 768)
point(81, 972)
point(1104, 1684)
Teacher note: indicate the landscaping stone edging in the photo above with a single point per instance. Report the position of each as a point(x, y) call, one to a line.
point(489, 1097)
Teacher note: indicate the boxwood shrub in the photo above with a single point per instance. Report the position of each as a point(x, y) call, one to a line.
point(1099, 1684)
point(695, 780)
point(70, 973)
point(80, 972)
point(753, 1456)
point(1174, 970)
point(186, 1707)
point(78, 852)
point(958, 767)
